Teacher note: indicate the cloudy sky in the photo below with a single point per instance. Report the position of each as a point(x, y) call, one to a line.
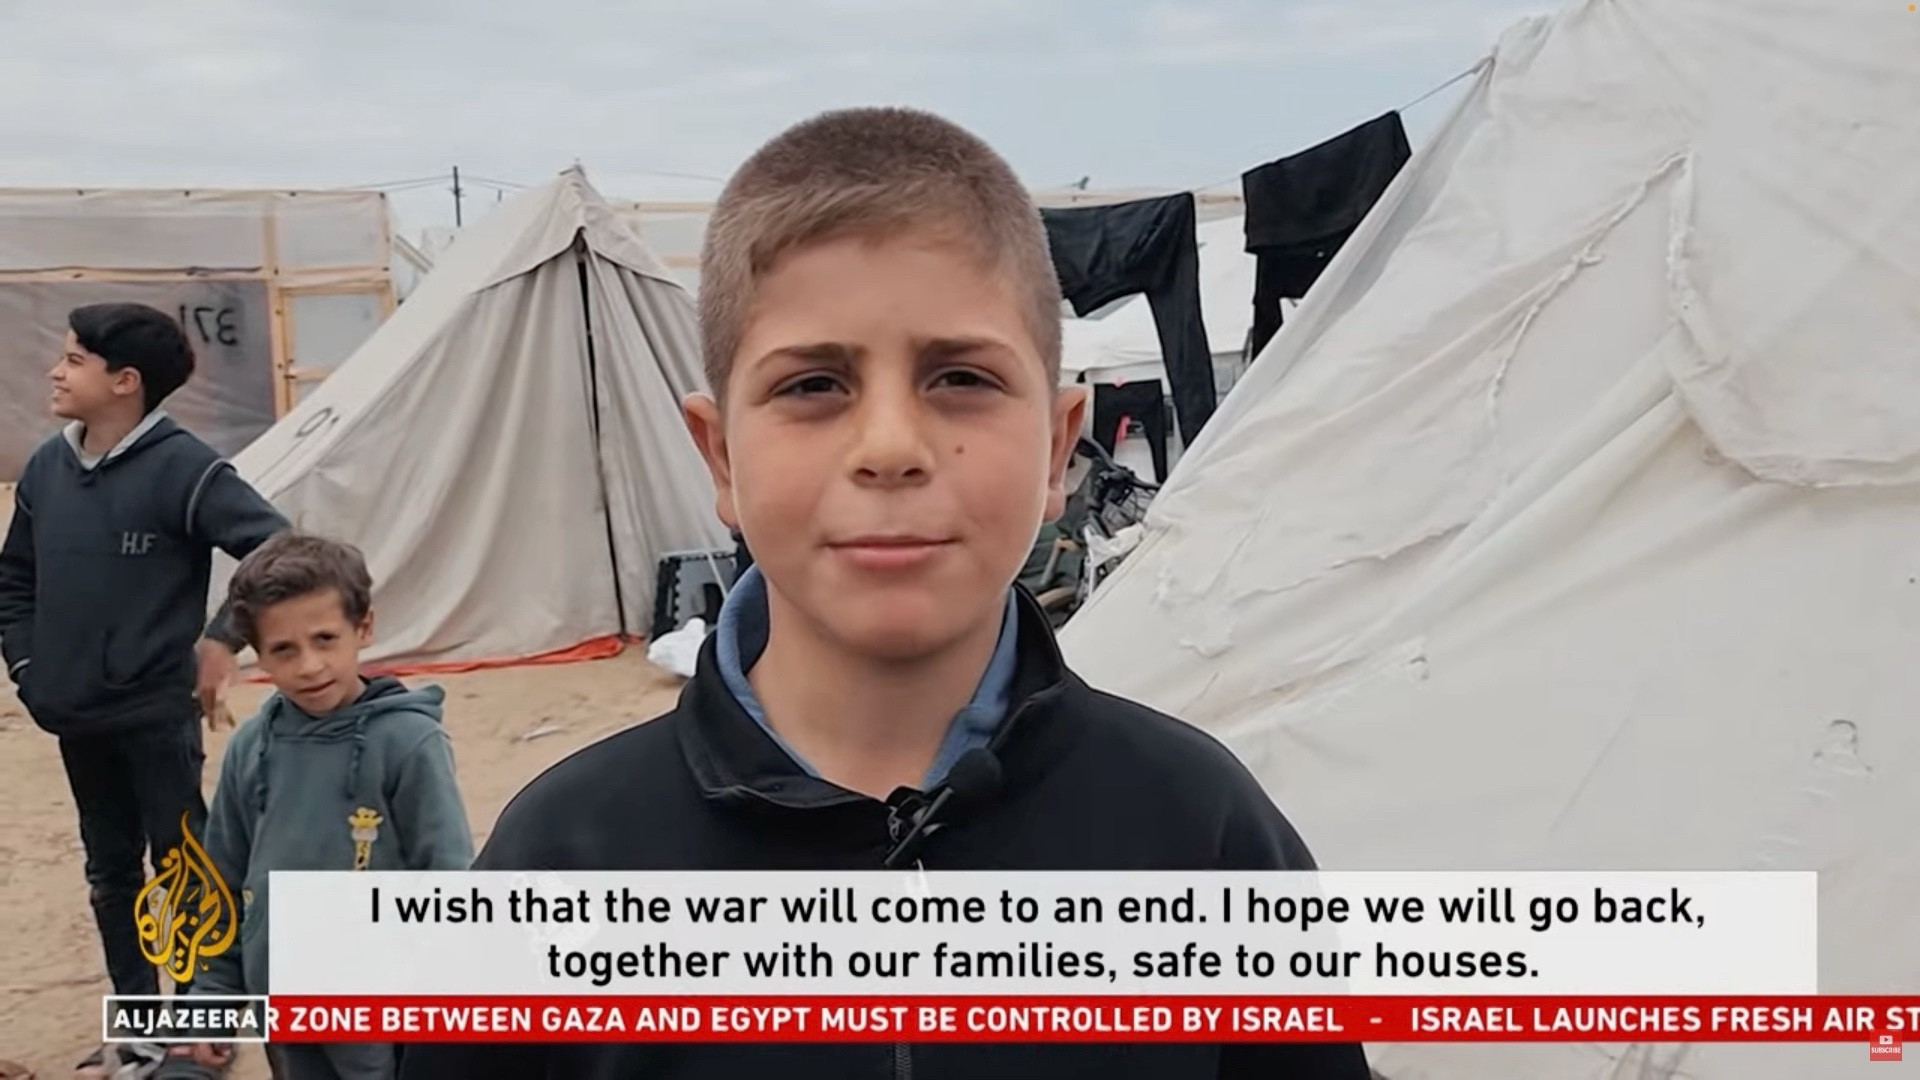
point(660, 98)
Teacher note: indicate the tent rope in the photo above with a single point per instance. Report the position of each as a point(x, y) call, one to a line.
point(1478, 66)
point(1474, 70)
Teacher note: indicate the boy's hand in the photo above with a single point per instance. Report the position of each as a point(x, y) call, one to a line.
point(217, 666)
point(208, 1055)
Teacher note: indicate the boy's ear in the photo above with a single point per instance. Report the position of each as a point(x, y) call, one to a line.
point(365, 630)
point(1069, 418)
point(126, 381)
point(708, 428)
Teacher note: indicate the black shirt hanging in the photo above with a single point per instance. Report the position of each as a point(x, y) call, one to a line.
point(1102, 253)
point(1302, 208)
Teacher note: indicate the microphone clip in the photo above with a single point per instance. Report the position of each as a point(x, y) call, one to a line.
point(910, 824)
point(976, 776)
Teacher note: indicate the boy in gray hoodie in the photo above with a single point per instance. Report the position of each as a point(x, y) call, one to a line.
point(336, 772)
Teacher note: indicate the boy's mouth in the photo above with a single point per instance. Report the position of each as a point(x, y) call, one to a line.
point(889, 551)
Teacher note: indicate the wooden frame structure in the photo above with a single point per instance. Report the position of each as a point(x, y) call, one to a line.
point(287, 280)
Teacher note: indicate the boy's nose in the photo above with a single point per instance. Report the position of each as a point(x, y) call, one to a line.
point(892, 446)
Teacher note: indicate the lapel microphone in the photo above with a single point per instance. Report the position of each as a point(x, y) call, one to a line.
point(973, 779)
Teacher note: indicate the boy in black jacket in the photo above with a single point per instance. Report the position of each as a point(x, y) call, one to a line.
point(881, 323)
point(103, 596)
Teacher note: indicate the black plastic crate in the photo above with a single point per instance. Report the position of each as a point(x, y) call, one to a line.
point(691, 584)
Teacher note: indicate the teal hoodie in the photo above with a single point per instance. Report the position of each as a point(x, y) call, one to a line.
point(295, 790)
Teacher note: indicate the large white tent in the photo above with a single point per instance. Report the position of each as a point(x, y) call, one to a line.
point(507, 449)
point(1570, 523)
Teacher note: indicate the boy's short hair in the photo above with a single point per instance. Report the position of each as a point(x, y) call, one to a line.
point(873, 172)
point(294, 564)
point(139, 337)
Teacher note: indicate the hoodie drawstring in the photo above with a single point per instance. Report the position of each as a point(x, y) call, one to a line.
point(353, 762)
point(260, 769)
point(271, 712)
point(266, 740)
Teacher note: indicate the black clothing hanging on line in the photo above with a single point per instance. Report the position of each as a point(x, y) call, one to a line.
point(1302, 208)
point(1140, 401)
point(1102, 253)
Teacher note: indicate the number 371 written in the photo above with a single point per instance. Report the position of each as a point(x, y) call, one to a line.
point(221, 324)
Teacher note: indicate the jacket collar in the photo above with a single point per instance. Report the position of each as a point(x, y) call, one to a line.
point(735, 761)
point(741, 636)
point(76, 433)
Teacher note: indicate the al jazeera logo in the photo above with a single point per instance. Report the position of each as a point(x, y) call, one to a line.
point(185, 916)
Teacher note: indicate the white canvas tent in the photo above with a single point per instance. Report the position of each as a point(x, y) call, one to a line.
point(1571, 522)
point(508, 449)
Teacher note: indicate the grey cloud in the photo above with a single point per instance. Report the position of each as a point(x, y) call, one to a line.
point(1241, 31)
point(239, 92)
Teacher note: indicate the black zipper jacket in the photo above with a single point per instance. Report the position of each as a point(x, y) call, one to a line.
point(104, 577)
point(1090, 782)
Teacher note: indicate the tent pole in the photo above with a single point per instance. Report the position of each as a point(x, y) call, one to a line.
point(580, 254)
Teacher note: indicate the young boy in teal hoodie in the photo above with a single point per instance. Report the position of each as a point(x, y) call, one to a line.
point(336, 772)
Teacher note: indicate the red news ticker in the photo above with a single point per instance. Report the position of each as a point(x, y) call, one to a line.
point(1142, 1018)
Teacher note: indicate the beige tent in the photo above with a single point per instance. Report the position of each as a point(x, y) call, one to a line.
point(273, 287)
point(507, 449)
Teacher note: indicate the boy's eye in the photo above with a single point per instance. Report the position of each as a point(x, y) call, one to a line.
point(810, 384)
point(963, 377)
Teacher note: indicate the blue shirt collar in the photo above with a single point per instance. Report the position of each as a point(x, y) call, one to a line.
point(742, 637)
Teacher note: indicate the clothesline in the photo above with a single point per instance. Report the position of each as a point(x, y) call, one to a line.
point(1299, 213)
point(1469, 72)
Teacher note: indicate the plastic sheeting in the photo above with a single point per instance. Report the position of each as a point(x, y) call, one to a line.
point(324, 329)
point(199, 231)
point(229, 400)
point(1569, 522)
point(507, 449)
point(213, 259)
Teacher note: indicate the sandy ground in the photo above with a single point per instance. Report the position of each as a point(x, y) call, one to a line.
point(53, 974)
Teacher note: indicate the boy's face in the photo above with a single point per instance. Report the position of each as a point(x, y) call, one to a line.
point(891, 441)
point(311, 650)
point(83, 388)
